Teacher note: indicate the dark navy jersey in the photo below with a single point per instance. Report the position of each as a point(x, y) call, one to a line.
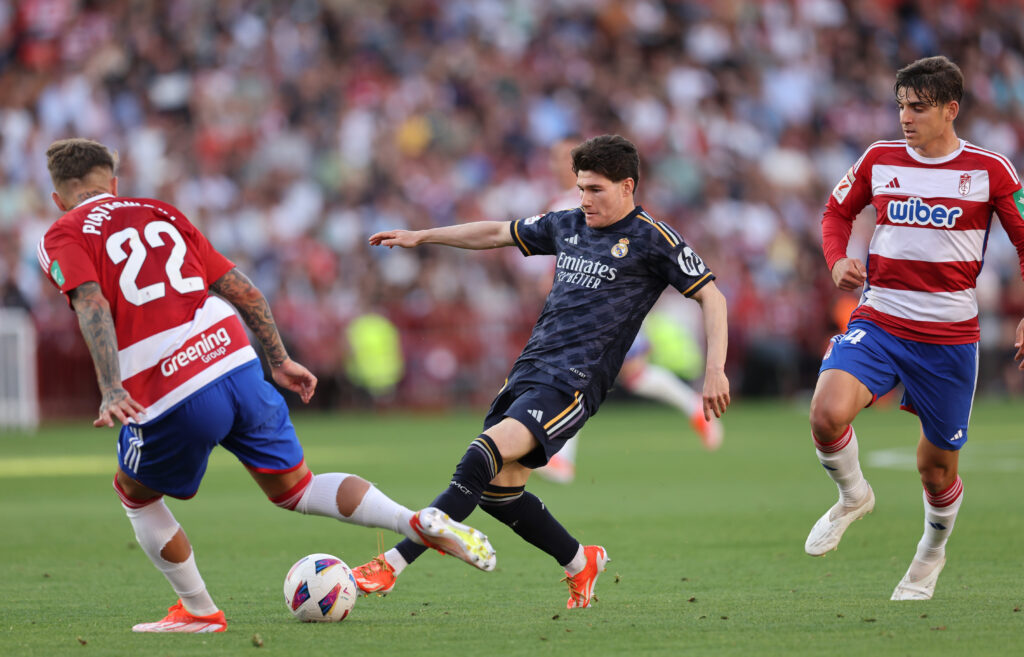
point(606, 281)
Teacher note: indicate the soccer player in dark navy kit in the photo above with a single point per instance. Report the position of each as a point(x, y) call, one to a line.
point(612, 263)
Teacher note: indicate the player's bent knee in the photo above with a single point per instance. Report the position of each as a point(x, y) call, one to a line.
point(827, 423)
point(132, 494)
point(936, 478)
point(290, 498)
point(158, 533)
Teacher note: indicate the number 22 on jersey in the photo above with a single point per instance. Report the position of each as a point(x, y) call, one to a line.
point(154, 233)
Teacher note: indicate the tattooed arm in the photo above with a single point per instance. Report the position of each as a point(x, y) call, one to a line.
point(252, 305)
point(97, 328)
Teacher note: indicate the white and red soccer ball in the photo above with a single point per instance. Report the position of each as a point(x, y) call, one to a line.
point(320, 588)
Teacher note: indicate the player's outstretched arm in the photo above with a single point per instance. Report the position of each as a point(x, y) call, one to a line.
point(238, 290)
point(97, 326)
point(474, 235)
point(716, 328)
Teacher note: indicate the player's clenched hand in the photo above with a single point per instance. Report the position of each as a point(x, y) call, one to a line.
point(296, 378)
point(716, 394)
point(1018, 342)
point(849, 274)
point(117, 403)
point(403, 238)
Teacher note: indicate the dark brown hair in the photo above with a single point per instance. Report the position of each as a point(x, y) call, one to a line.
point(612, 156)
point(935, 80)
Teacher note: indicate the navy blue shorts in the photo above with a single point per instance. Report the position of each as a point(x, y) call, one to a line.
point(552, 414)
point(939, 379)
point(240, 411)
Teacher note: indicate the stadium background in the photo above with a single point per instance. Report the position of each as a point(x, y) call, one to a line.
point(289, 132)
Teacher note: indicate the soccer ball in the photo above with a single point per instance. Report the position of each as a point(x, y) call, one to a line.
point(320, 588)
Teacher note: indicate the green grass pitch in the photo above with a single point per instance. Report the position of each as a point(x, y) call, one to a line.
point(707, 548)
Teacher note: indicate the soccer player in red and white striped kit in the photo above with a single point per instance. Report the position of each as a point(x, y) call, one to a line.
point(175, 368)
point(934, 195)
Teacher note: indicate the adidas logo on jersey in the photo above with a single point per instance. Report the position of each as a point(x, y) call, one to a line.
point(537, 415)
point(893, 184)
point(574, 240)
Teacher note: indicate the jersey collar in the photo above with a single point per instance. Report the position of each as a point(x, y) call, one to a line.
point(93, 199)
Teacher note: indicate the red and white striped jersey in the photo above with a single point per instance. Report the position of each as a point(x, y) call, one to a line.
point(154, 268)
point(933, 221)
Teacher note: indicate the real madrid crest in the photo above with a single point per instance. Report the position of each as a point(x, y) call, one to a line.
point(621, 249)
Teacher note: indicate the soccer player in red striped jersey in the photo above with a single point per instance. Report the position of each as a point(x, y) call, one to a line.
point(175, 368)
point(934, 195)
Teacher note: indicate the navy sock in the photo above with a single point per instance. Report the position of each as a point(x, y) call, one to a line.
point(481, 463)
point(527, 516)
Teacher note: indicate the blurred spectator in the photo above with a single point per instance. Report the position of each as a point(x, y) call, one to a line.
point(291, 131)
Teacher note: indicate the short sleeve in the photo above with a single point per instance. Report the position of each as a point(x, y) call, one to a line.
point(677, 263)
point(533, 235)
point(214, 263)
point(65, 260)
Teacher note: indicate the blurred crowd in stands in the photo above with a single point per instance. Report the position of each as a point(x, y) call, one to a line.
point(291, 131)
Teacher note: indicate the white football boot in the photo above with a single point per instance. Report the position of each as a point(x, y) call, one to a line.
point(825, 534)
point(919, 582)
point(438, 531)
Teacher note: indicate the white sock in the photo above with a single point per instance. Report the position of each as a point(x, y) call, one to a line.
point(196, 601)
point(657, 383)
point(155, 526)
point(841, 462)
point(578, 563)
point(395, 560)
point(938, 522)
point(375, 509)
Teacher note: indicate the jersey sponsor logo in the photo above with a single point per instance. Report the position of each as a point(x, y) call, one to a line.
point(690, 262)
point(56, 274)
point(208, 347)
point(844, 186)
point(621, 249)
point(583, 272)
point(965, 184)
point(916, 211)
